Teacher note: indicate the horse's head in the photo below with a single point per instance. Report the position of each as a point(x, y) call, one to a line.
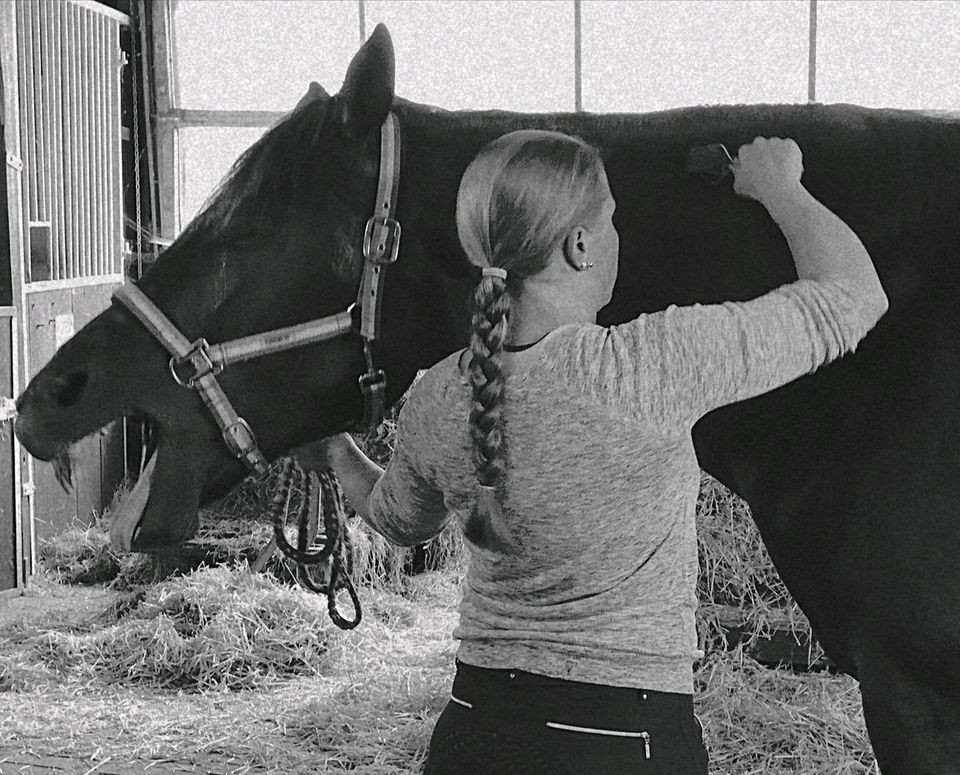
point(279, 244)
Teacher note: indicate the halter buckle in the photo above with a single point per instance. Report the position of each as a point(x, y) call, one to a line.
point(381, 240)
point(373, 386)
point(199, 359)
point(239, 438)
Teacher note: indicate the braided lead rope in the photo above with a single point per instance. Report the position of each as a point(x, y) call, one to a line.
point(335, 546)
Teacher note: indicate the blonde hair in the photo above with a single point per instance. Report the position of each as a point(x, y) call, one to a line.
point(518, 200)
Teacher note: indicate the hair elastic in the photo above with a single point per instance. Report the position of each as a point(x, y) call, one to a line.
point(494, 271)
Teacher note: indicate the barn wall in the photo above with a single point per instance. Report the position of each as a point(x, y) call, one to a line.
point(52, 317)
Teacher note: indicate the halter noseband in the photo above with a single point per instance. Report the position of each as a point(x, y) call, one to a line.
point(381, 243)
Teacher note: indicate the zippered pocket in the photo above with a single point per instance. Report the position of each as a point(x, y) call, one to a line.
point(645, 736)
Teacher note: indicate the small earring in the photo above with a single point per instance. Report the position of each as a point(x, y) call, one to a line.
point(586, 264)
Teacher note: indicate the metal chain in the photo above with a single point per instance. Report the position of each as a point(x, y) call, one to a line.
point(335, 549)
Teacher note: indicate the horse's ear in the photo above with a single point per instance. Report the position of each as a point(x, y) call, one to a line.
point(314, 92)
point(367, 91)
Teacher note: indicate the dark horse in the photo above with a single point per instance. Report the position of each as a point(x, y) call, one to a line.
point(851, 473)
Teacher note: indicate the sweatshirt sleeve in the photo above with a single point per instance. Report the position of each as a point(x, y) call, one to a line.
point(404, 506)
point(676, 365)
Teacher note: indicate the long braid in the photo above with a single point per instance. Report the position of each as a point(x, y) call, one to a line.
point(518, 199)
point(489, 321)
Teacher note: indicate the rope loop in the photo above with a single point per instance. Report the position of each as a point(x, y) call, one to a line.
point(335, 549)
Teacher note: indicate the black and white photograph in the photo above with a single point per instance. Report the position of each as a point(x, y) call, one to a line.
point(480, 387)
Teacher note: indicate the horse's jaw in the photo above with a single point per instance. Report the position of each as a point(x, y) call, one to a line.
point(160, 510)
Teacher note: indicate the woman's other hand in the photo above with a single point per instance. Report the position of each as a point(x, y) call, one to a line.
point(768, 169)
point(324, 453)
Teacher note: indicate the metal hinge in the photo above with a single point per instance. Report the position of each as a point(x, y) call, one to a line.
point(15, 162)
point(28, 489)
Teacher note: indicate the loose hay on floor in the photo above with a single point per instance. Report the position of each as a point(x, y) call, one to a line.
point(216, 628)
point(372, 707)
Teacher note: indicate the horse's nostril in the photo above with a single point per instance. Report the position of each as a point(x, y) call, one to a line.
point(67, 389)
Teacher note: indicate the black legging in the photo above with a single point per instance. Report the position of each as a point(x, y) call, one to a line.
point(508, 722)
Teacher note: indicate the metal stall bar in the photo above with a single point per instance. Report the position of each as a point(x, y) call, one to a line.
point(37, 106)
point(109, 249)
point(83, 119)
point(47, 101)
point(11, 61)
point(75, 194)
point(26, 106)
point(99, 253)
point(114, 122)
point(55, 40)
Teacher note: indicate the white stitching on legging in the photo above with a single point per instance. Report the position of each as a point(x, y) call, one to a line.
point(595, 731)
point(461, 702)
point(608, 732)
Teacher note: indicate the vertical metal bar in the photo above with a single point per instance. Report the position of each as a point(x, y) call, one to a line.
point(49, 151)
point(90, 142)
point(577, 58)
point(94, 128)
point(83, 133)
point(73, 180)
point(43, 102)
point(114, 122)
point(37, 97)
point(99, 128)
point(812, 59)
point(22, 54)
point(28, 128)
point(147, 101)
point(55, 38)
point(166, 88)
point(361, 13)
point(11, 55)
point(109, 249)
point(66, 136)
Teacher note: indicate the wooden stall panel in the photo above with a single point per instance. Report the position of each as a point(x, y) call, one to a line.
point(54, 509)
point(53, 316)
point(100, 457)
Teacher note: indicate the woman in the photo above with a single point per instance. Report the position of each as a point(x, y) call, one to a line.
point(564, 449)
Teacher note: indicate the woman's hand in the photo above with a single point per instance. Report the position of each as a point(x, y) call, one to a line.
point(356, 472)
point(325, 453)
point(768, 169)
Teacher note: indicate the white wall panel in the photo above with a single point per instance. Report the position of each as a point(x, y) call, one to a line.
point(499, 54)
point(890, 54)
point(261, 55)
point(642, 56)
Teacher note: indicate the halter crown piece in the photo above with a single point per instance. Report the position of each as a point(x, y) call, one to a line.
point(494, 271)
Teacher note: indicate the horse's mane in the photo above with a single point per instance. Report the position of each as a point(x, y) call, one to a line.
point(256, 192)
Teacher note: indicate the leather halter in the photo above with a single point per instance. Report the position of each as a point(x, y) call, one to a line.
point(381, 243)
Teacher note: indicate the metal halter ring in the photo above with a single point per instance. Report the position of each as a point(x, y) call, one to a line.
point(199, 358)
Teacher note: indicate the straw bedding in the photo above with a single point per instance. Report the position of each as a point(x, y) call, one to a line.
point(363, 701)
point(245, 667)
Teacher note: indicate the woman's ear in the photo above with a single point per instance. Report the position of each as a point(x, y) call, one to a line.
point(575, 247)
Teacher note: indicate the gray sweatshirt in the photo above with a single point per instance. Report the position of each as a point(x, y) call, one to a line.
point(601, 481)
